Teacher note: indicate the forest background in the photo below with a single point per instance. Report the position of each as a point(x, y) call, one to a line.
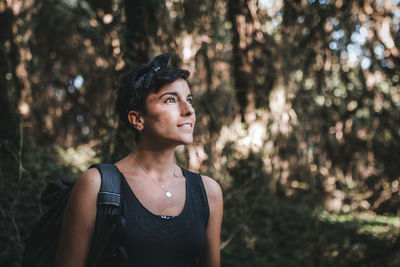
point(298, 107)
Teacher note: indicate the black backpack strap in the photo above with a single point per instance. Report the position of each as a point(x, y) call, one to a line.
point(110, 185)
point(108, 210)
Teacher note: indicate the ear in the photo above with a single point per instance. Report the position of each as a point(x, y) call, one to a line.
point(136, 120)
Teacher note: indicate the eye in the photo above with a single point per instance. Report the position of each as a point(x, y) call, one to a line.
point(190, 100)
point(170, 100)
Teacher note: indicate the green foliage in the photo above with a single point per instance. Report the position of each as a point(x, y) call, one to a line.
point(297, 103)
point(263, 229)
point(283, 234)
point(25, 169)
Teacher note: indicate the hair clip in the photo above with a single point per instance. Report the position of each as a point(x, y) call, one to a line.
point(144, 81)
point(159, 62)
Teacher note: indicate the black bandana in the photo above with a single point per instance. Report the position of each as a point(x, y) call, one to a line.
point(141, 84)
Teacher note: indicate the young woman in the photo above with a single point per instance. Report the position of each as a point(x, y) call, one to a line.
point(173, 216)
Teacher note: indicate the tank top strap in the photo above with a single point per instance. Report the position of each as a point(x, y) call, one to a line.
point(198, 194)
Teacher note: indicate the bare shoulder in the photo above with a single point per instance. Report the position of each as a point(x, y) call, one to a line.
point(88, 183)
point(213, 189)
point(79, 220)
point(81, 205)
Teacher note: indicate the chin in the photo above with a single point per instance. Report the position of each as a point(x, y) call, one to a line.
point(186, 140)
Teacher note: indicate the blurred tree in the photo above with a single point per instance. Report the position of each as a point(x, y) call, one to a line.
point(8, 92)
point(296, 101)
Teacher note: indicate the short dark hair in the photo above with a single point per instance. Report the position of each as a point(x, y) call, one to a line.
point(130, 99)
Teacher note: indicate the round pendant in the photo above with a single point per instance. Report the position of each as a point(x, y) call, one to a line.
point(168, 194)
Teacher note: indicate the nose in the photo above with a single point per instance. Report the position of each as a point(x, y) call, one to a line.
point(186, 109)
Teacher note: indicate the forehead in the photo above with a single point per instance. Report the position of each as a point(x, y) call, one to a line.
point(179, 86)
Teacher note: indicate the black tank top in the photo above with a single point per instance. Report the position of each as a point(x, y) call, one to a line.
point(155, 240)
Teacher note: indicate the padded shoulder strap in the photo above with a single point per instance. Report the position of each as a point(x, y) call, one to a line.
point(110, 185)
point(108, 202)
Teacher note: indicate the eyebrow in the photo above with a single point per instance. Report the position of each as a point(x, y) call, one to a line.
point(173, 93)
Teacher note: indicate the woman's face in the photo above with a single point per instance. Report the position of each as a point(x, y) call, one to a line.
point(170, 116)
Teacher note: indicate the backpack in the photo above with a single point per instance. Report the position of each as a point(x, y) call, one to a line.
point(41, 246)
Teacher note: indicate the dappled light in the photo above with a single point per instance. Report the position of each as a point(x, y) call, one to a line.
point(297, 105)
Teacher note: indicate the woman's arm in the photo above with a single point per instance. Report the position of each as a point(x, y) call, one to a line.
point(79, 220)
point(213, 230)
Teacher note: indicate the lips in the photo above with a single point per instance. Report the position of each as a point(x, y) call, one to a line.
point(185, 125)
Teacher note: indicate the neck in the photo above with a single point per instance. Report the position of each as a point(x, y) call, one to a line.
point(159, 162)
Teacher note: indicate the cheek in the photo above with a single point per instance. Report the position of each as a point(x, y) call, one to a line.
point(161, 121)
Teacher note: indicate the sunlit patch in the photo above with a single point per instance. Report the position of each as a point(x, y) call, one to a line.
point(107, 19)
point(24, 108)
point(78, 81)
point(79, 158)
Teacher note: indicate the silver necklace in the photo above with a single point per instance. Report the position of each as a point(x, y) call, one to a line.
point(168, 193)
